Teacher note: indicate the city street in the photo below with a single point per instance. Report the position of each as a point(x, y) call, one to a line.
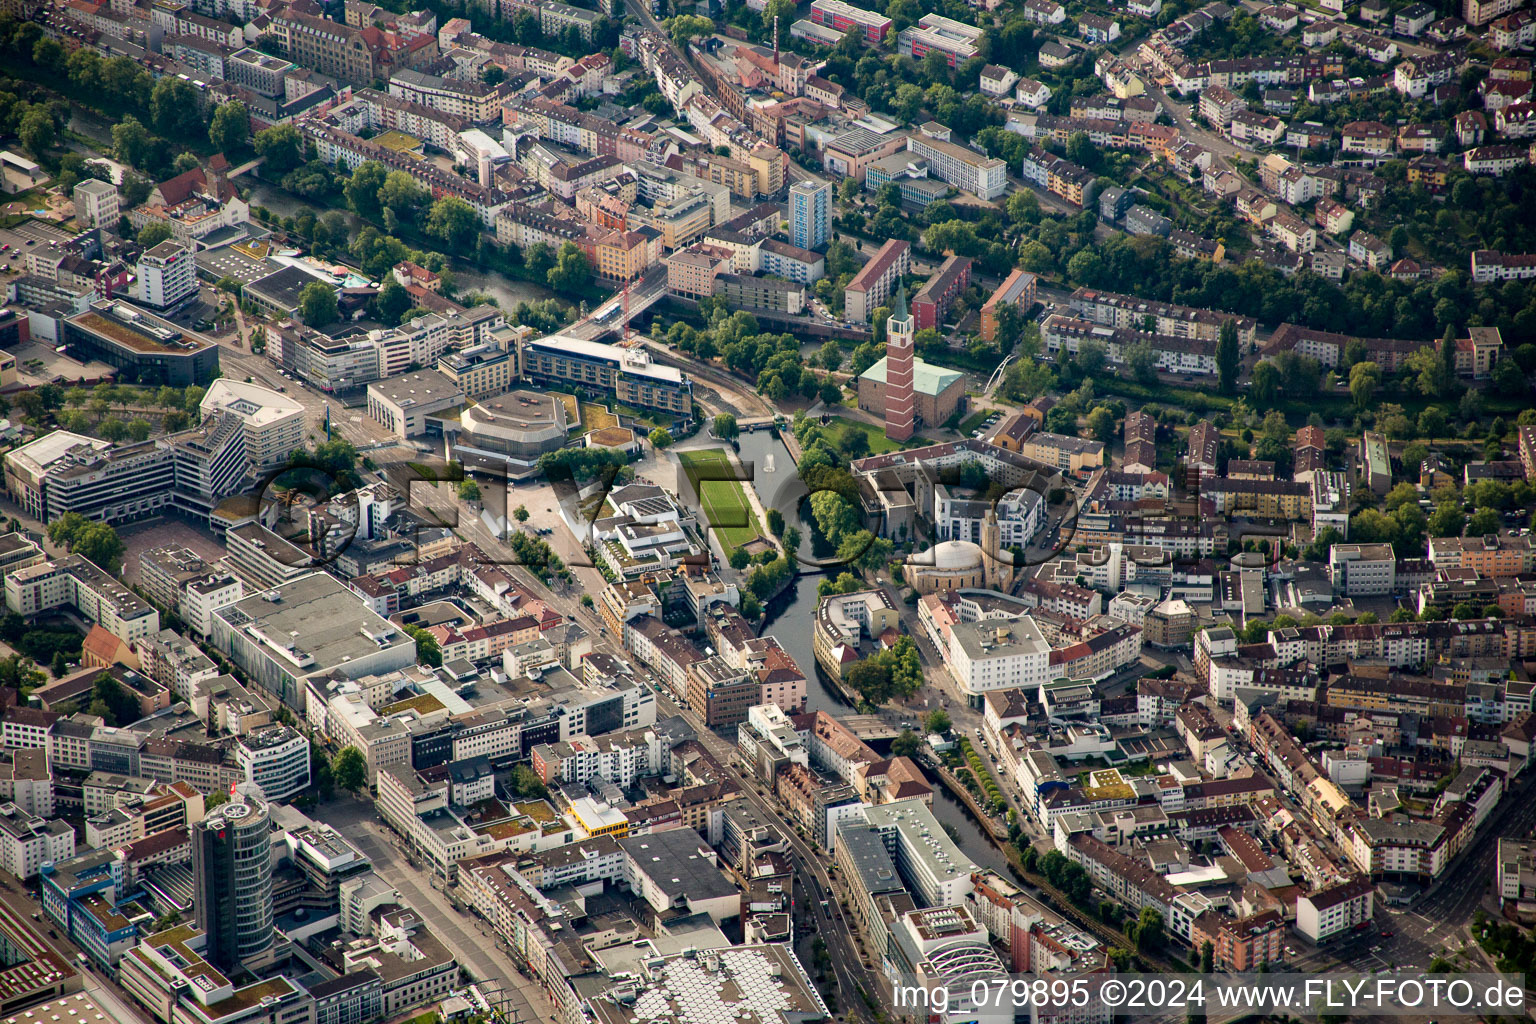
point(108, 994)
point(463, 932)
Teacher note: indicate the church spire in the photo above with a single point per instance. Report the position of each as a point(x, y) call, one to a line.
point(900, 312)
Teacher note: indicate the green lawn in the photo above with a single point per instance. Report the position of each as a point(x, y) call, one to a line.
point(879, 444)
point(973, 421)
point(724, 502)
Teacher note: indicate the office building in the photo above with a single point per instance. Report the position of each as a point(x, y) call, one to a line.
point(97, 204)
point(876, 281)
point(84, 586)
point(167, 275)
point(810, 214)
point(998, 655)
point(480, 370)
point(407, 406)
point(28, 841)
point(985, 177)
point(275, 760)
point(308, 626)
point(628, 374)
point(232, 881)
point(840, 17)
point(141, 346)
point(1362, 570)
point(936, 871)
point(273, 423)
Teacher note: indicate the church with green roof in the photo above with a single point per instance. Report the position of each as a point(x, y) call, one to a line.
point(938, 392)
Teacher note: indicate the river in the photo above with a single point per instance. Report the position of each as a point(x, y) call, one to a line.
point(791, 614)
point(973, 838)
point(790, 618)
point(506, 291)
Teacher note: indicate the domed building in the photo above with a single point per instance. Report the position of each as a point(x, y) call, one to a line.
point(507, 433)
point(962, 565)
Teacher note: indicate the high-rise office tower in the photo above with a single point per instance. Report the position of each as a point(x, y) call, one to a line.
point(232, 881)
point(899, 371)
point(810, 214)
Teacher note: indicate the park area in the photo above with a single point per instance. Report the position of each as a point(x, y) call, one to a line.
point(722, 497)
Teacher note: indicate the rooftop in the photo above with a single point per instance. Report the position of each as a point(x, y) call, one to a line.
point(927, 379)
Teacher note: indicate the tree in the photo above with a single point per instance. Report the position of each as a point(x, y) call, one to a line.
point(1364, 379)
point(36, 130)
point(95, 542)
point(1228, 361)
point(317, 304)
point(1101, 423)
point(173, 109)
point(571, 272)
point(685, 26)
point(364, 190)
point(60, 665)
point(392, 301)
point(1483, 522)
point(1448, 361)
point(908, 744)
point(282, 147)
point(454, 221)
point(48, 54)
point(230, 127)
point(350, 769)
point(401, 195)
point(153, 233)
point(725, 427)
point(739, 559)
point(1266, 384)
point(938, 721)
point(1141, 360)
point(1508, 379)
point(1207, 957)
point(428, 652)
point(138, 428)
point(469, 490)
point(538, 258)
point(661, 438)
point(520, 514)
point(1149, 929)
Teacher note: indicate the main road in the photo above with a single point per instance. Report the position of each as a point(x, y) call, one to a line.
point(830, 923)
point(467, 935)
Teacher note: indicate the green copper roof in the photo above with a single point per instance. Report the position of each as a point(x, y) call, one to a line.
point(900, 312)
point(927, 379)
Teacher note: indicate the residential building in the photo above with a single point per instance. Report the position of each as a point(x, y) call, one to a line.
point(810, 214)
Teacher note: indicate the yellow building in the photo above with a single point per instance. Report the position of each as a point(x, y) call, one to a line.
point(480, 371)
point(625, 255)
point(597, 818)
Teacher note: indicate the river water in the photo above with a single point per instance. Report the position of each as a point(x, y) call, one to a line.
point(790, 618)
point(791, 614)
point(506, 291)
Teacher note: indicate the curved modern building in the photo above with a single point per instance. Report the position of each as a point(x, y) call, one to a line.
point(509, 432)
point(232, 881)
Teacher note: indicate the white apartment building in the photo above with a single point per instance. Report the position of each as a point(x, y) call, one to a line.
point(273, 422)
point(98, 596)
point(27, 842)
point(276, 759)
point(983, 176)
point(167, 275)
point(1018, 516)
point(998, 655)
point(97, 204)
point(1362, 570)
